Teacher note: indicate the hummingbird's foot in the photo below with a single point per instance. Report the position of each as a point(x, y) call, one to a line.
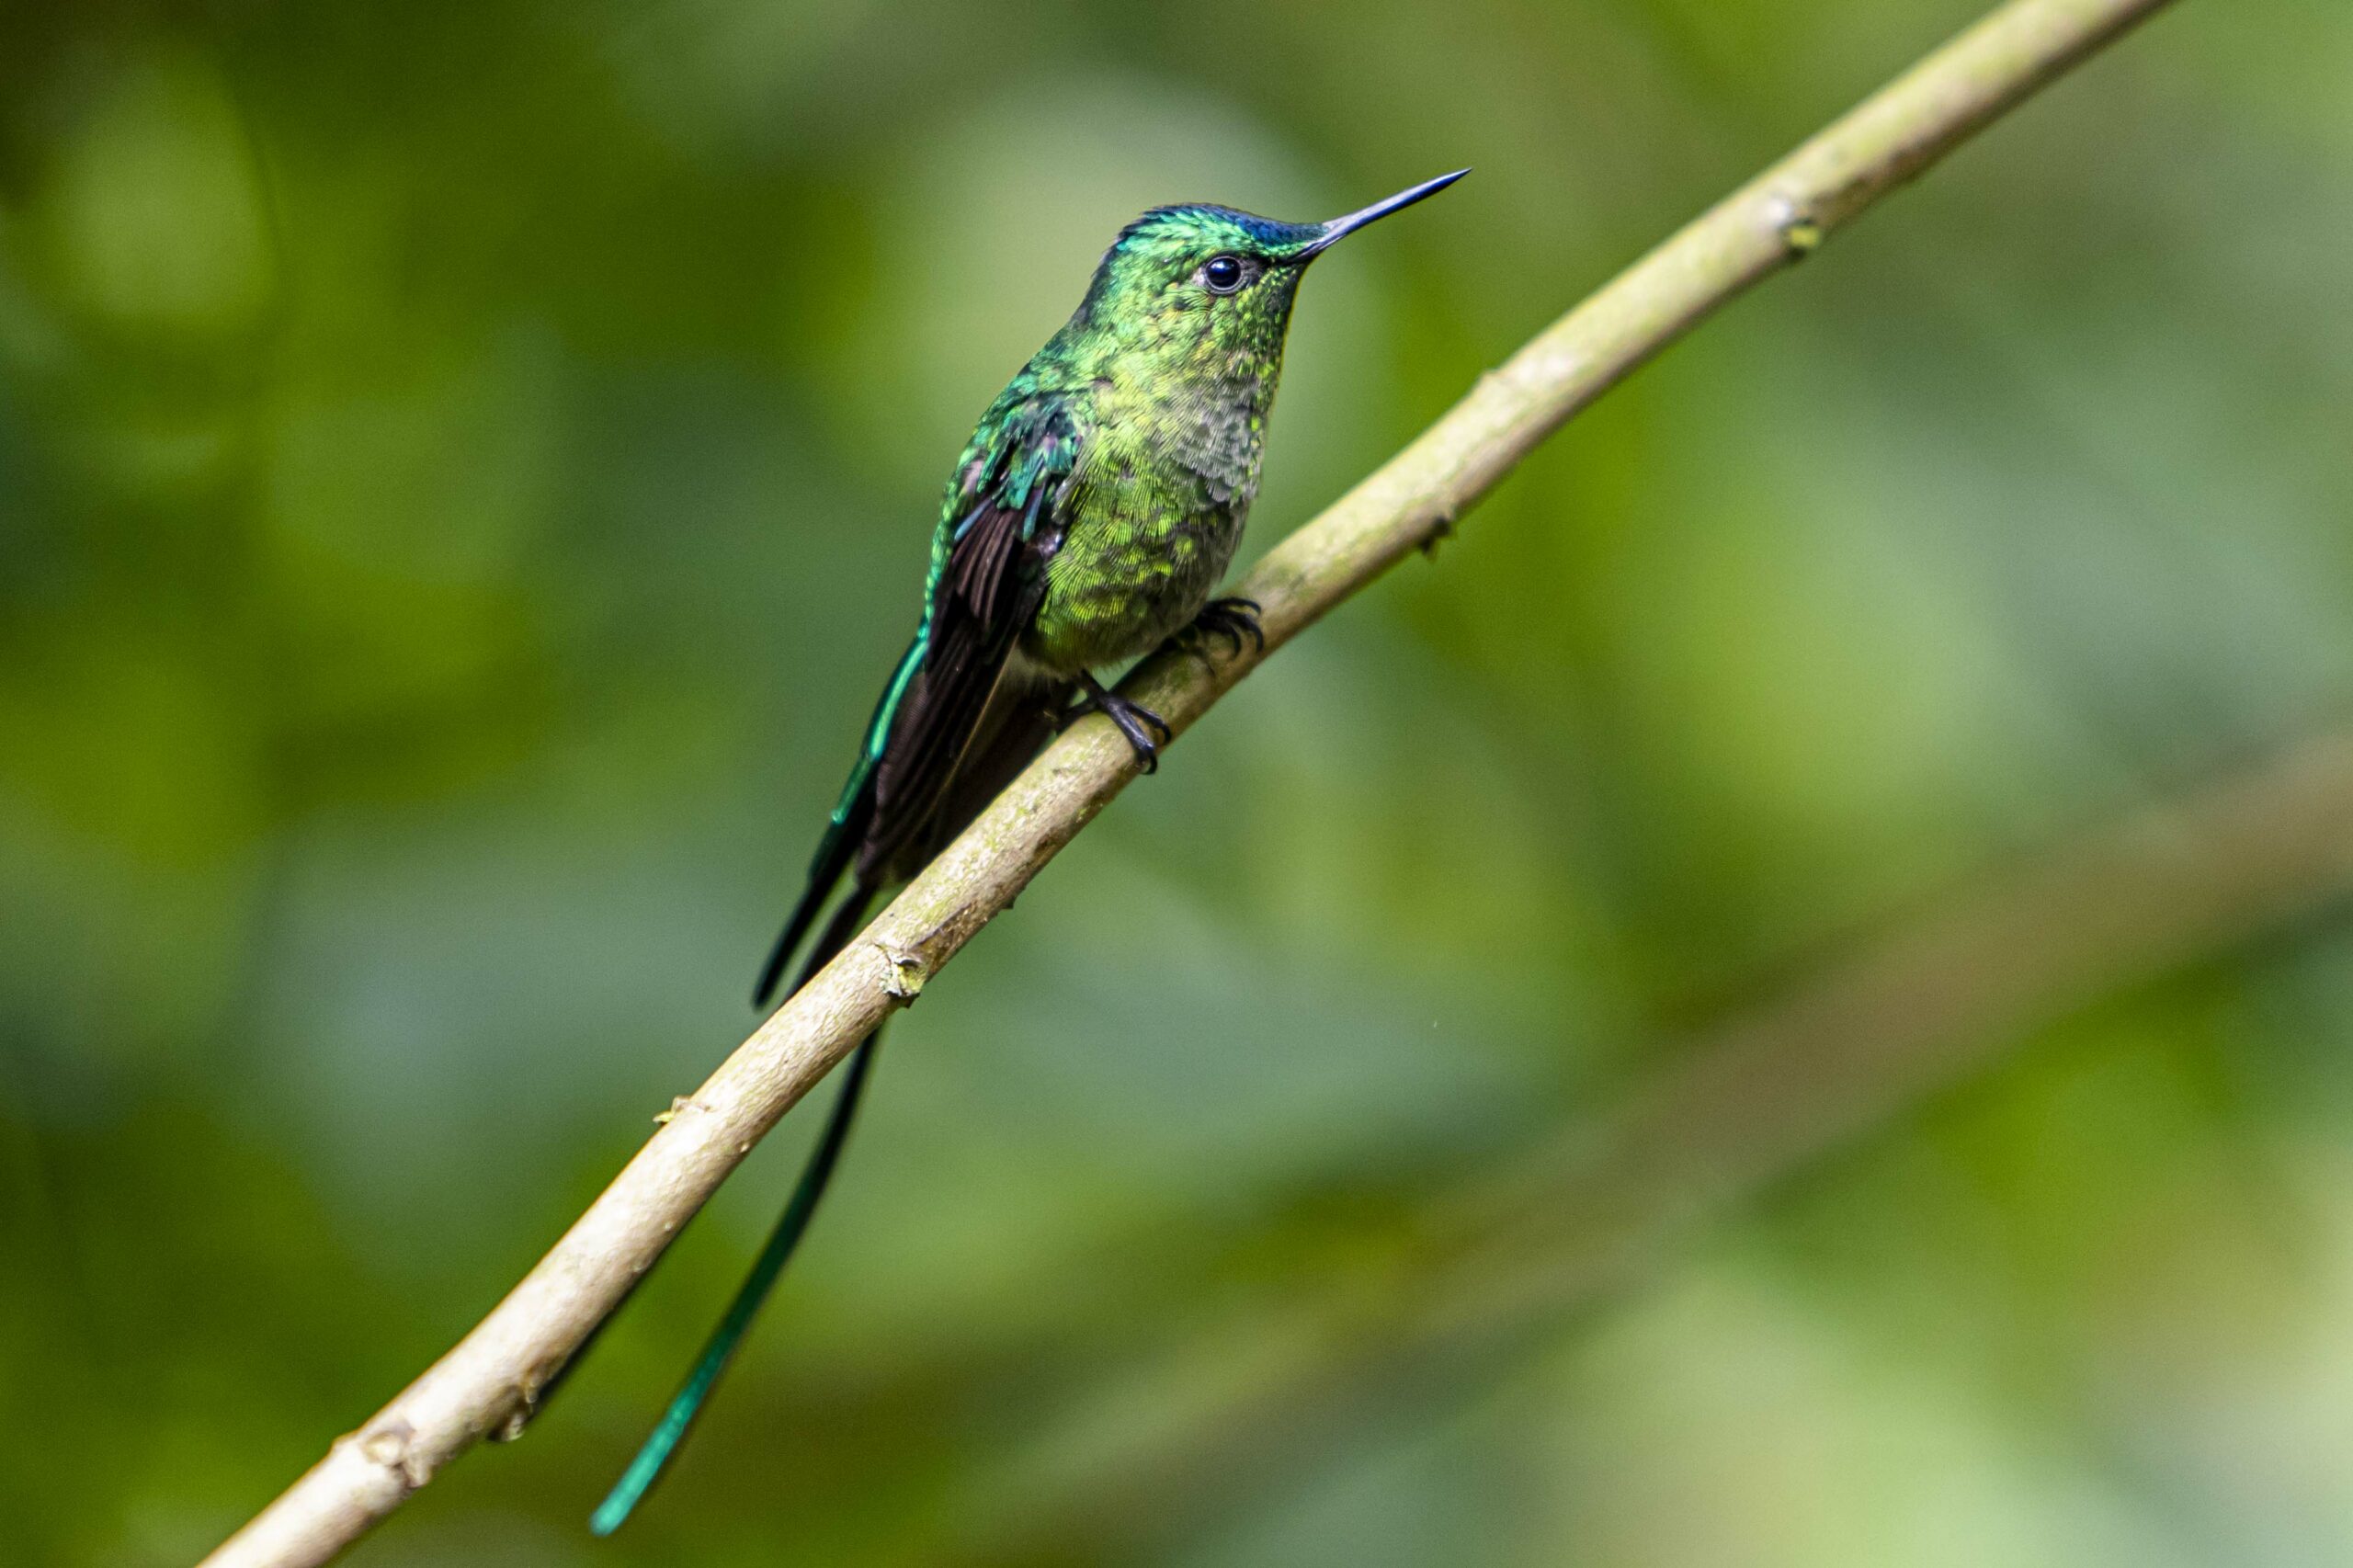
point(1230, 620)
point(1135, 721)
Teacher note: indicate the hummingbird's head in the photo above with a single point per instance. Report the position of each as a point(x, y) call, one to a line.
point(1206, 283)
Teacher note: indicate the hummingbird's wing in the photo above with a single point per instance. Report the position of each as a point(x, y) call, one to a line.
point(987, 584)
point(1001, 525)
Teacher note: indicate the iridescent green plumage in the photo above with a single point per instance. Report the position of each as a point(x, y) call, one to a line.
point(1090, 518)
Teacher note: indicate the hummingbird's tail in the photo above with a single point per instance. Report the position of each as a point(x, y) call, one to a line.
point(844, 834)
point(837, 850)
point(980, 753)
point(719, 1349)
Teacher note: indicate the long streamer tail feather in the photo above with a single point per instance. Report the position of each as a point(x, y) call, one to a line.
point(719, 1349)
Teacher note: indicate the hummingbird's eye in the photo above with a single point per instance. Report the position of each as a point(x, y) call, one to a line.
point(1221, 274)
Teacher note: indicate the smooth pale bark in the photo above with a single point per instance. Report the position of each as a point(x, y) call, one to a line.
point(486, 1384)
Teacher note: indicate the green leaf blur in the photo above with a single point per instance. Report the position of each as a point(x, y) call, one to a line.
point(466, 469)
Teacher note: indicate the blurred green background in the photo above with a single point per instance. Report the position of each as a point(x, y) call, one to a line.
point(465, 469)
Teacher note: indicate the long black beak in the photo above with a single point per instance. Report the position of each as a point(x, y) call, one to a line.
point(1340, 228)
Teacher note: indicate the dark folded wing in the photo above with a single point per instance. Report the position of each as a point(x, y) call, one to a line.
point(983, 593)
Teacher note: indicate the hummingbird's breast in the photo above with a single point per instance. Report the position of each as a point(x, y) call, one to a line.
point(1161, 496)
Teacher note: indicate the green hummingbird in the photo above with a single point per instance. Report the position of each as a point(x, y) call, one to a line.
point(1087, 522)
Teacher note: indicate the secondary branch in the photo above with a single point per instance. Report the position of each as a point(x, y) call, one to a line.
point(1572, 1224)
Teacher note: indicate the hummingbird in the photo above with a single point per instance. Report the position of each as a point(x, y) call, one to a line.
point(1087, 522)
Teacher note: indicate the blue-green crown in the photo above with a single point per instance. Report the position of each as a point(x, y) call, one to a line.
point(1195, 222)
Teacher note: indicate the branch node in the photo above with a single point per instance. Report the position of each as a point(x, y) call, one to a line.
point(526, 1392)
point(1801, 232)
point(1441, 529)
point(392, 1446)
point(903, 980)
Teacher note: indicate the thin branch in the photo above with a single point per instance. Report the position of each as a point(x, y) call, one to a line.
point(486, 1384)
point(1570, 1224)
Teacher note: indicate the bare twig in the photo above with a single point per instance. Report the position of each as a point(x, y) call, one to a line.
point(487, 1383)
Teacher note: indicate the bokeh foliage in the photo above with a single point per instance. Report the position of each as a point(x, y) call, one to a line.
point(464, 469)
